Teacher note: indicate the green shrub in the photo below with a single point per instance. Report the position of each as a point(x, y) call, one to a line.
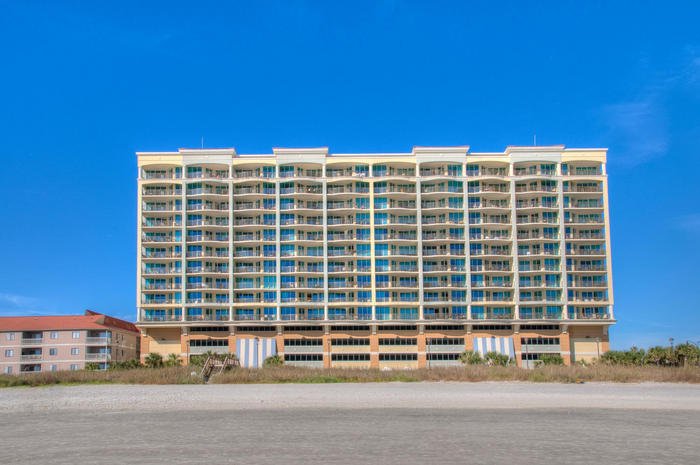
point(273, 361)
point(92, 366)
point(125, 365)
point(173, 360)
point(687, 354)
point(153, 360)
point(632, 357)
point(496, 359)
point(550, 359)
point(471, 357)
point(198, 360)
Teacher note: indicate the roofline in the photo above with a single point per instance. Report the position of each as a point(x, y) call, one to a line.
point(418, 149)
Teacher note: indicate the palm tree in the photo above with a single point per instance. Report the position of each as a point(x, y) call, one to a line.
point(153, 360)
point(173, 360)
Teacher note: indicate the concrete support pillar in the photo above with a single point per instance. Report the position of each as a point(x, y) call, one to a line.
point(422, 348)
point(565, 344)
point(326, 347)
point(374, 347)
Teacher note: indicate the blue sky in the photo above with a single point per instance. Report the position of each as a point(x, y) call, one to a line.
point(85, 85)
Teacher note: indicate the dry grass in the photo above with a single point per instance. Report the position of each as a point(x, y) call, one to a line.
point(171, 375)
point(551, 374)
point(182, 375)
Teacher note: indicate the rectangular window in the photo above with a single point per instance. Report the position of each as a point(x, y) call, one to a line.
point(53, 351)
point(75, 351)
point(10, 336)
point(76, 334)
point(9, 353)
point(53, 335)
point(8, 370)
point(53, 368)
point(74, 367)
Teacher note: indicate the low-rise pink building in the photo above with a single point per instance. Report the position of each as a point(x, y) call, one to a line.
point(52, 343)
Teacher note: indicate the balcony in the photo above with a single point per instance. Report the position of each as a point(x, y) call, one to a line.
point(498, 172)
point(98, 341)
point(159, 175)
point(30, 358)
point(162, 271)
point(488, 189)
point(583, 188)
point(492, 316)
point(146, 239)
point(32, 341)
point(98, 356)
point(161, 192)
point(591, 316)
point(220, 317)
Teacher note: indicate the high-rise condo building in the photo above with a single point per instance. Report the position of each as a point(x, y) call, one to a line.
point(374, 259)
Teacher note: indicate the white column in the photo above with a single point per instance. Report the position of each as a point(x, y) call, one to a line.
point(419, 221)
point(183, 242)
point(514, 252)
point(229, 183)
point(278, 252)
point(467, 254)
point(562, 245)
point(373, 271)
point(324, 186)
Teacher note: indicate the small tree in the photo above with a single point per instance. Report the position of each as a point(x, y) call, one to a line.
point(687, 354)
point(632, 357)
point(659, 356)
point(471, 357)
point(153, 360)
point(273, 361)
point(92, 366)
point(496, 359)
point(550, 359)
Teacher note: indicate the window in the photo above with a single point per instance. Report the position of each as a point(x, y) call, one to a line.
point(53, 335)
point(398, 342)
point(443, 357)
point(303, 357)
point(75, 351)
point(74, 367)
point(209, 343)
point(539, 340)
point(397, 357)
point(8, 370)
point(350, 357)
point(10, 336)
point(446, 341)
point(350, 342)
point(76, 334)
point(302, 342)
point(53, 351)
point(53, 368)
point(9, 353)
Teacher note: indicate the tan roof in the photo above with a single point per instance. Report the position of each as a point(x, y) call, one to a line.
point(91, 320)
